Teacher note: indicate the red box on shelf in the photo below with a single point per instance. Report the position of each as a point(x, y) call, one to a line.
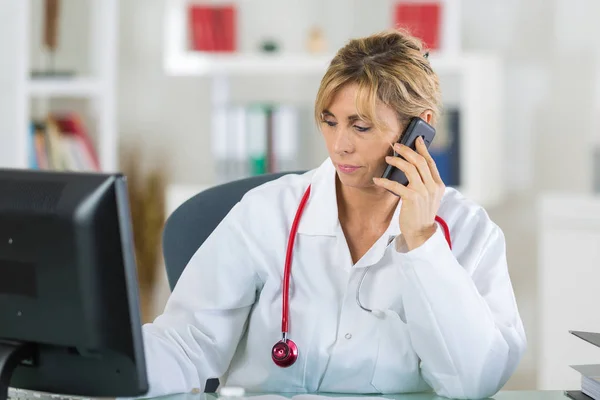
point(421, 19)
point(212, 28)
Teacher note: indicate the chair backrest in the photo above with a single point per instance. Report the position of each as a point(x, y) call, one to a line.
point(193, 221)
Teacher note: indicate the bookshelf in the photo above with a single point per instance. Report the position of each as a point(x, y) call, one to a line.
point(95, 89)
point(471, 83)
point(180, 61)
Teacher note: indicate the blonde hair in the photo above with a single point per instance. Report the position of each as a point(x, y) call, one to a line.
point(388, 67)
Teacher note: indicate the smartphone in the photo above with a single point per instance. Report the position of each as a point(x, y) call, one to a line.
point(416, 127)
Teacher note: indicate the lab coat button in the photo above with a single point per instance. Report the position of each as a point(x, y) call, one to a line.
point(348, 336)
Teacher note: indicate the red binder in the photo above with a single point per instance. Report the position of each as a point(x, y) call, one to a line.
point(421, 19)
point(228, 17)
point(212, 28)
point(200, 28)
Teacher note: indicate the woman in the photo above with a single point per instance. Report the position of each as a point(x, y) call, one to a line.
point(446, 318)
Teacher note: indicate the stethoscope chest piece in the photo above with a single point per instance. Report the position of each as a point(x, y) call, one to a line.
point(284, 353)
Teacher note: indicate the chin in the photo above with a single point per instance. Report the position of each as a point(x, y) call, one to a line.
point(355, 181)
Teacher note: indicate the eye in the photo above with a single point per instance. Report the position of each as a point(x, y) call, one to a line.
point(330, 123)
point(362, 128)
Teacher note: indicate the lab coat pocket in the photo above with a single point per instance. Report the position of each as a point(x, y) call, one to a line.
point(397, 366)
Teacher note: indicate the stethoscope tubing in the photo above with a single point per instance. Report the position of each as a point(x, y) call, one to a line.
point(285, 352)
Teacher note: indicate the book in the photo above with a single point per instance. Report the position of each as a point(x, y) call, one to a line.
point(73, 129)
point(60, 142)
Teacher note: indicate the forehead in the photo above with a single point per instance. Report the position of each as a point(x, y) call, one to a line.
point(349, 102)
point(345, 100)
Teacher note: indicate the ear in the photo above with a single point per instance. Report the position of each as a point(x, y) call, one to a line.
point(427, 116)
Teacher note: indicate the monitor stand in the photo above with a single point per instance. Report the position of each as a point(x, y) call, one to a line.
point(11, 355)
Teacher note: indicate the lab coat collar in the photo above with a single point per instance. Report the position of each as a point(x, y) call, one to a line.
point(320, 216)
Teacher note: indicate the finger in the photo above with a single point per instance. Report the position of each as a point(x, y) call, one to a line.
point(410, 170)
point(419, 162)
point(424, 160)
point(394, 187)
point(435, 173)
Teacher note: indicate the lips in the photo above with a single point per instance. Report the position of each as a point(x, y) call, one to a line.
point(347, 169)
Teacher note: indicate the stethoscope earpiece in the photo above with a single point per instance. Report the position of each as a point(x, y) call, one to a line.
point(284, 353)
point(378, 313)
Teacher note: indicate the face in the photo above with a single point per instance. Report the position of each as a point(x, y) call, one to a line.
point(356, 147)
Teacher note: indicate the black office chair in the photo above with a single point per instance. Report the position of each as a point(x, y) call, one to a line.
point(193, 221)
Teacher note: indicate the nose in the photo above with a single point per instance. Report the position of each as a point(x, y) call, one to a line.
point(343, 142)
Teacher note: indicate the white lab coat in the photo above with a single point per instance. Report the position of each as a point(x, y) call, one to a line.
point(451, 322)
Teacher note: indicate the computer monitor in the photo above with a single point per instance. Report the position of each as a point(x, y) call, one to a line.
point(69, 311)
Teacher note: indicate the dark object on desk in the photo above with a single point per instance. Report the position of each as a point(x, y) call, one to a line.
point(577, 395)
point(193, 221)
point(590, 384)
point(69, 313)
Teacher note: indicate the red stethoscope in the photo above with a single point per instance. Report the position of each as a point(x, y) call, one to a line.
point(285, 352)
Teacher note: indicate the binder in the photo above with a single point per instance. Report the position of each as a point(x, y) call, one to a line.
point(423, 19)
point(257, 122)
point(212, 28)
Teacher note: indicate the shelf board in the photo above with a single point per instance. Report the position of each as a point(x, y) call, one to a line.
point(64, 87)
point(204, 64)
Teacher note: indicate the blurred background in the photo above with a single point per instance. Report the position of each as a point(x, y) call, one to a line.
point(182, 95)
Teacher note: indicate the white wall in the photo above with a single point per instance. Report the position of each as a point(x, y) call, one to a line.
point(550, 53)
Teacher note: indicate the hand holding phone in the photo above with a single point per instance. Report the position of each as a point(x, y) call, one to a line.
point(422, 193)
